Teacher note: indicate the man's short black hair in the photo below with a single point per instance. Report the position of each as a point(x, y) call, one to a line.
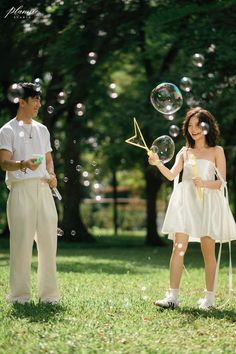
point(30, 90)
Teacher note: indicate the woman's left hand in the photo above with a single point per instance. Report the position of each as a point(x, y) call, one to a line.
point(198, 182)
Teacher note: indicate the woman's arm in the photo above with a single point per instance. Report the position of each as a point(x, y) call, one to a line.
point(175, 170)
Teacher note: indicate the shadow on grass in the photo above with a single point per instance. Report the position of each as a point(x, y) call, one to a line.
point(194, 314)
point(37, 312)
point(217, 313)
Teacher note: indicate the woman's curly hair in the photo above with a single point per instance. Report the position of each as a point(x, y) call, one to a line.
point(203, 115)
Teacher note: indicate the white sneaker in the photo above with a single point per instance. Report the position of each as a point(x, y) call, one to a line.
point(169, 302)
point(205, 304)
point(17, 300)
point(50, 302)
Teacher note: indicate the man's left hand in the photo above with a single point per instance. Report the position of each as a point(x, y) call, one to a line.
point(52, 181)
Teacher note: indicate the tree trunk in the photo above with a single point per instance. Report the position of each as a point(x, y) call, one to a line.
point(115, 205)
point(153, 184)
point(73, 226)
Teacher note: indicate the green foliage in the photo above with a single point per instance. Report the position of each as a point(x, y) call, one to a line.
point(139, 44)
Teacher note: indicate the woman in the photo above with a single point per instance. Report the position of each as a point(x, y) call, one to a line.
point(198, 210)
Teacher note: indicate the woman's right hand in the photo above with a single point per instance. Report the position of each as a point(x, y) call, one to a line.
point(153, 159)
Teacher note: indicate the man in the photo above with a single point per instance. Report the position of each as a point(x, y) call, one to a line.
point(31, 210)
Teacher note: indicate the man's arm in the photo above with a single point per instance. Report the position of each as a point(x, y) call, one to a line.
point(50, 169)
point(7, 164)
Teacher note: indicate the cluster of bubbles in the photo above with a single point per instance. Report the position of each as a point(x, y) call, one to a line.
point(167, 99)
point(60, 232)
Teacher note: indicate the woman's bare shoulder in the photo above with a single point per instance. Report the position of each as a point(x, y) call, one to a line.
point(219, 149)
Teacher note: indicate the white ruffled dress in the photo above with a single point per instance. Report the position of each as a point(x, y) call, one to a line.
point(187, 213)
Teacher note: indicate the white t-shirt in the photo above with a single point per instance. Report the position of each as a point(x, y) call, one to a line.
point(15, 137)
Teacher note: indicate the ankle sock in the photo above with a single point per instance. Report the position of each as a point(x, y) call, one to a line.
point(174, 293)
point(210, 296)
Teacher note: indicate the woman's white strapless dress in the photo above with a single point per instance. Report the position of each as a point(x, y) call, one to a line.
point(187, 213)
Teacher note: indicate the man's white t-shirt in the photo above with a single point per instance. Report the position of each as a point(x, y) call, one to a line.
point(15, 137)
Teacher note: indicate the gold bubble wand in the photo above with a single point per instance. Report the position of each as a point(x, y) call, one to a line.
point(138, 139)
point(193, 162)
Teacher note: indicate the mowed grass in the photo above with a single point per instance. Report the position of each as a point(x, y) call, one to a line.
point(107, 294)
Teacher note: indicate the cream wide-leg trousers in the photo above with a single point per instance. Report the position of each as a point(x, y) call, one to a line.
point(32, 215)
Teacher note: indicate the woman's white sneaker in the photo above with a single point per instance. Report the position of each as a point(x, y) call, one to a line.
point(169, 301)
point(207, 303)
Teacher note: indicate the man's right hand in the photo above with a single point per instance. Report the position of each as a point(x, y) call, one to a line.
point(31, 164)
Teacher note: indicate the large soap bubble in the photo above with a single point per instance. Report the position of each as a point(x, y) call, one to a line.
point(166, 98)
point(164, 147)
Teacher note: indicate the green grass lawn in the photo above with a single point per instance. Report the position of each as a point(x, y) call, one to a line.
point(107, 294)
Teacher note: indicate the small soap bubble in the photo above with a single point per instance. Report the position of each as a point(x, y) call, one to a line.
point(21, 134)
point(205, 127)
point(47, 77)
point(186, 84)
point(60, 232)
point(73, 233)
point(198, 60)
point(61, 97)
point(56, 144)
point(80, 109)
point(78, 168)
point(174, 131)
point(65, 179)
point(112, 86)
point(211, 48)
point(92, 58)
point(113, 94)
point(38, 81)
point(71, 162)
point(15, 92)
point(86, 183)
point(50, 109)
point(169, 117)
